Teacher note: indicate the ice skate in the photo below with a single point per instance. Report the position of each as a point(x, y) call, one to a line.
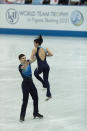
point(48, 98)
point(21, 119)
point(38, 116)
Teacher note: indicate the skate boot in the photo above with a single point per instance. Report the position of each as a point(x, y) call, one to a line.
point(21, 119)
point(38, 116)
point(48, 98)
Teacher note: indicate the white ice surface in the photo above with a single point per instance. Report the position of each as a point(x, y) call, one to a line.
point(67, 110)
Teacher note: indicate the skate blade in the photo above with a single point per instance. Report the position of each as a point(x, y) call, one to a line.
point(21, 121)
point(48, 98)
point(37, 117)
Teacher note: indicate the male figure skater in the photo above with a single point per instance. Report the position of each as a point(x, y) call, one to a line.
point(28, 87)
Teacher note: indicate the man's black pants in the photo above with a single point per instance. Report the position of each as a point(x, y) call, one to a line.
point(29, 87)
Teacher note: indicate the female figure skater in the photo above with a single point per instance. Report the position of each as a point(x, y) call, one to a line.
point(42, 66)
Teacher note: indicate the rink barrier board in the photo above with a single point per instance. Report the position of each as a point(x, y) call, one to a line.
point(47, 20)
point(43, 32)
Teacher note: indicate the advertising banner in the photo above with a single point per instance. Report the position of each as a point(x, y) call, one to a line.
point(43, 17)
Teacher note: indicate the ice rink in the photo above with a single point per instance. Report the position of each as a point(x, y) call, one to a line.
point(67, 110)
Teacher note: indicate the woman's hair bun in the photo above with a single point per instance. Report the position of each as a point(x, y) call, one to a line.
point(39, 40)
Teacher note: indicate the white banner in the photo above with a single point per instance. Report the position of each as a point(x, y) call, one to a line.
point(44, 17)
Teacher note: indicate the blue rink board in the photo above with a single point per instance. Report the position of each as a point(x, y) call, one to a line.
point(43, 32)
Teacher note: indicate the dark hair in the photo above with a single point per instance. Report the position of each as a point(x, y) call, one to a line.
point(20, 56)
point(39, 40)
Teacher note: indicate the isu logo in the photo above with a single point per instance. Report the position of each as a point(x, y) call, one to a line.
point(12, 16)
